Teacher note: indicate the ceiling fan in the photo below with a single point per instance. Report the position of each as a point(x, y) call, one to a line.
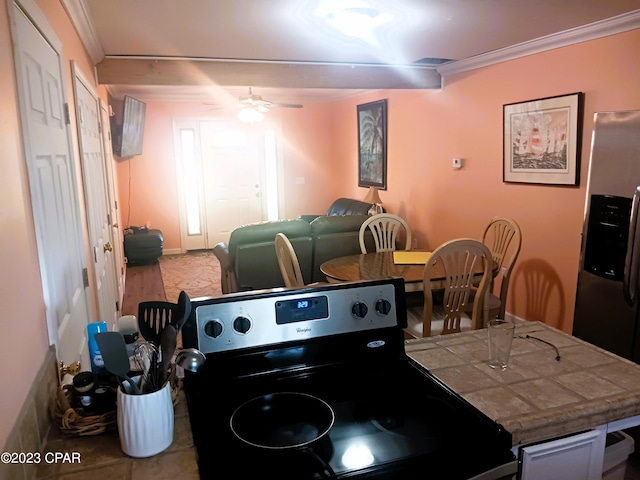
point(256, 102)
point(253, 107)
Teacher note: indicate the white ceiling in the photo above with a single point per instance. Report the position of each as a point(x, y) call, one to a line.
point(293, 31)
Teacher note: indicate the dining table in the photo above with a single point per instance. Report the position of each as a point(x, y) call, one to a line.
point(376, 266)
point(380, 265)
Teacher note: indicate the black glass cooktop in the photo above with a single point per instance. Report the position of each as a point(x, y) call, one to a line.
point(391, 421)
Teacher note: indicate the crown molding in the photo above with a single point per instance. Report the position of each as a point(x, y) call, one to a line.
point(610, 26)
point(80, 16)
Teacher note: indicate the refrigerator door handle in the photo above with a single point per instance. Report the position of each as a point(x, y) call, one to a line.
point(631, 263)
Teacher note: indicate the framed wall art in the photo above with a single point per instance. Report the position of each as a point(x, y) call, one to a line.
point(372, 144)
point(542, 140)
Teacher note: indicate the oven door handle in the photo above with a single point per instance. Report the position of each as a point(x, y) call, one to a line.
point(506, 470)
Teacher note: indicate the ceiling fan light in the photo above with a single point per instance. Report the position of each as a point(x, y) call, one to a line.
point(250, 115)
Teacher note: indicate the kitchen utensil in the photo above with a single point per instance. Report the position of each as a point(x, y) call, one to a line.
point(190, 359)
point(183, 310)
point(153, 317)
point(168, 341)
point(142, 357)
point(114, 353)
point(285, 421)
point(153, 383)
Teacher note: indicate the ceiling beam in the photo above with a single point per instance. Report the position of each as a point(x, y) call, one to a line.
point(180, 71)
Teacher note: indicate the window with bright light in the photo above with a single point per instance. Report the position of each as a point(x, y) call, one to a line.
point(190, 177)
point(271, 174)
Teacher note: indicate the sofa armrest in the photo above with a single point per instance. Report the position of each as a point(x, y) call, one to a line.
point(309, 218)
point(228, 280)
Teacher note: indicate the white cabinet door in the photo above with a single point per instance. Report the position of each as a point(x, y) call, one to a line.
point(578, 457)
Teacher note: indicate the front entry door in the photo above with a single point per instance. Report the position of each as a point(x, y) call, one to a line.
point(232, 171)
point(52, 181)
point(96, 200)
point(227, 175)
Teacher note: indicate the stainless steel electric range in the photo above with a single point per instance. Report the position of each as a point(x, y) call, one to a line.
point(343, 344)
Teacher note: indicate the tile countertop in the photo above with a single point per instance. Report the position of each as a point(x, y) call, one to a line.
point(101, 456)
point(537, 398)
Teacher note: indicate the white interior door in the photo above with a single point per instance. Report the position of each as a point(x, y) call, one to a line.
point(52, 179)
point(96, 201)
point(117, 238)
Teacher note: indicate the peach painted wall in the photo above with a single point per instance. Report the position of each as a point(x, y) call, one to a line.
point(428, 129)
point(23, 329)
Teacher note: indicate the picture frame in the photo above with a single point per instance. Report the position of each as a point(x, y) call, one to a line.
point(372, 144)
point(542, 140)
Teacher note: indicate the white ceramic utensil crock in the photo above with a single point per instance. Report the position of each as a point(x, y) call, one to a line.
point(145, 422)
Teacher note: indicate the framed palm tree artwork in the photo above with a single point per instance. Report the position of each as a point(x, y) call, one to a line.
point(372, 144)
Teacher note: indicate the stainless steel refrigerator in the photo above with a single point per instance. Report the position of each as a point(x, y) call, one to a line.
point(607, 312)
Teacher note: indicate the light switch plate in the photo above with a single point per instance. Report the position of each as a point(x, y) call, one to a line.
point(457, 163)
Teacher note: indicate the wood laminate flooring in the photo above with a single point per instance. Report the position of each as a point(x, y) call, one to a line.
point(143, 283)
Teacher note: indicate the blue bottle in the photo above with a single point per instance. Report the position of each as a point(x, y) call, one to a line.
point(97, 364)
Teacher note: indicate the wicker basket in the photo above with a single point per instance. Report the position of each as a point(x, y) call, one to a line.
point(76, 422)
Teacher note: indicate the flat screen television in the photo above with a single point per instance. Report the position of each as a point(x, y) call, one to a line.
point(127, 134)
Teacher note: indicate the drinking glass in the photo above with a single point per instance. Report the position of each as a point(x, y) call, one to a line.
point(500, 338)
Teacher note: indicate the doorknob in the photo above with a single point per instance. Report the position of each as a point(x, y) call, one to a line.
point(107, 247)
point(115, 225)
point(71, 369)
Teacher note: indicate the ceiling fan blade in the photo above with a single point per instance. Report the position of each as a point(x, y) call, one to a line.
point(286, 105)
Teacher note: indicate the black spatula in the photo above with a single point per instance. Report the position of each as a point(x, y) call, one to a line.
point(114, 353)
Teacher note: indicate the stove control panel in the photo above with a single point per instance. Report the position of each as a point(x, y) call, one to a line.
point(280, 316)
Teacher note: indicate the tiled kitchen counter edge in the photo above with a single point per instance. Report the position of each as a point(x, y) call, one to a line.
point(459, 361)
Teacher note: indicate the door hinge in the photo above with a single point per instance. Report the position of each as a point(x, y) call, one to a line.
point(108, 219)
point(85, 277)
point(67, 116)
point(117, 306)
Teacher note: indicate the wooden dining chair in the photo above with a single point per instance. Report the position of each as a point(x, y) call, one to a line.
point(462, 261)
point(385, 228)
point(288, 262)
point(504, 238)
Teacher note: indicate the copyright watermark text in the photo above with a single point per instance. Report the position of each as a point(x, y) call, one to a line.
point(37, 457)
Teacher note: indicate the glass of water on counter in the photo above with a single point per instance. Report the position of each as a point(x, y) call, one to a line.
point(500, 339)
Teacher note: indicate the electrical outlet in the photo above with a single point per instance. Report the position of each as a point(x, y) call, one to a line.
point(457, 163)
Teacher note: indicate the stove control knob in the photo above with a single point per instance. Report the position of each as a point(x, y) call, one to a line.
point(241, 324)
point(359, 309)
point(213, 328)
point(383, 307)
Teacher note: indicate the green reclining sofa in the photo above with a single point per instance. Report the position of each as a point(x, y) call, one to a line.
point(249, 260)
